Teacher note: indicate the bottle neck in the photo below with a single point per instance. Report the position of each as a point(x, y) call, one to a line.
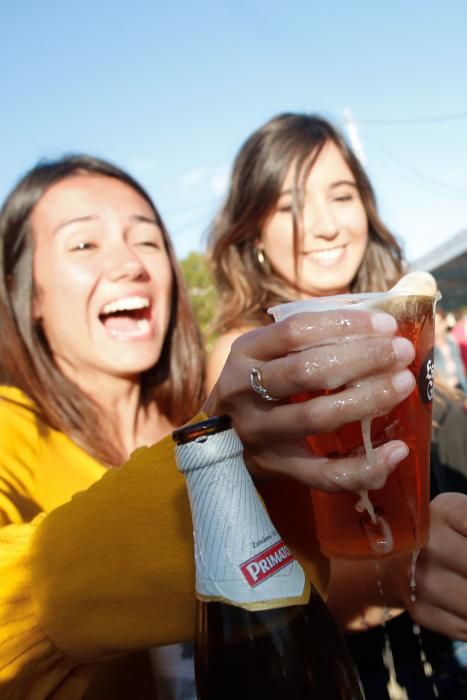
point(240, 557)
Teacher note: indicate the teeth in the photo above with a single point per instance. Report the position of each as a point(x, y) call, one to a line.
point(326, 255)
point(126, 304)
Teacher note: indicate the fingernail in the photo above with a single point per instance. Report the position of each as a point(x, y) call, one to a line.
point(397, 455)
point(403, 381)
point(403, 349)
point(384, 323)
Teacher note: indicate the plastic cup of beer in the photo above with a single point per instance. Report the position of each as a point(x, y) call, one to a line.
point(393, 520)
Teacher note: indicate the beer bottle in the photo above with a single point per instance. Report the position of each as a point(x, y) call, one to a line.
point(262, 632)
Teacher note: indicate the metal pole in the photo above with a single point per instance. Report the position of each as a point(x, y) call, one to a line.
point(352, 133)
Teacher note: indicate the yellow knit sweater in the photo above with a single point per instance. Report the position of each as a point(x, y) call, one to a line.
point(95, 564)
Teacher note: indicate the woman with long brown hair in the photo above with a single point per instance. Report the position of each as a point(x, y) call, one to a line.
point(256, 241)
point(99, 356)
point(28, 358)
point(300, 220)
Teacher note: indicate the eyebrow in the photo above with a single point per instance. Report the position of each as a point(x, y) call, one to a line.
point(138, 218)
point(144, 219)
point(338, 183)
point(75, 220)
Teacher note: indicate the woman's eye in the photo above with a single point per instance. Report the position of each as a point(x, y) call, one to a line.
point(284, 207)
point(83, 245)
point(149, 244)
point(344, 198)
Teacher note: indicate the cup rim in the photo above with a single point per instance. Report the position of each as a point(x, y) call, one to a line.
point(338, 301)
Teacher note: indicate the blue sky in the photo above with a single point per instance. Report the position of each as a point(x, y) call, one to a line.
point(171, 90)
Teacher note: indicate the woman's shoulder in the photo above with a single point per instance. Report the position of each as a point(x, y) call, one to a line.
point(220, 351)
point(226, 339)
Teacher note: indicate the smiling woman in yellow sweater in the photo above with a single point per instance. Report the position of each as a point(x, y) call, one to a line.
point(99, 356)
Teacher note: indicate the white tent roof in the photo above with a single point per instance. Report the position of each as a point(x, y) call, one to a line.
point(448, 263)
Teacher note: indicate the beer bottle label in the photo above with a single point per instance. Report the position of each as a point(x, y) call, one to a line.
point(240, 557)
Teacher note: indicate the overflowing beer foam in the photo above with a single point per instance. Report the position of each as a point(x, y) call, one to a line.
point(398, 301)
point(412, 289)
point(420, 283)
point(377, 529)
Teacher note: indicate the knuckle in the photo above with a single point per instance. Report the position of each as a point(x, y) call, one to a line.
point(312, 417)
point(373, 476)
point(384, 404)
point(291, 330)
point(317, 370)
point(331, 377)
point(304, 417)
point(295, 372)
point(454, 507)
point(237, 345)
point(339, 477)
point(383, 395)
point(374, 355)
point(382, 352)
point(339, 408)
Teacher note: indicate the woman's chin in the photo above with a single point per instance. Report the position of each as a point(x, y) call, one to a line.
point(325, 291)
point(131, 367)
point(328, 283)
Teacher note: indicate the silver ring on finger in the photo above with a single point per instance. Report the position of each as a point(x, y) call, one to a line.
point(256, 383)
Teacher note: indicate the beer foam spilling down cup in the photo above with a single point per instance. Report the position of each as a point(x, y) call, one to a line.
point(394, 519)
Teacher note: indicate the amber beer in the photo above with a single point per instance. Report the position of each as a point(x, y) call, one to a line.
point(401, 508)
point(261, 631)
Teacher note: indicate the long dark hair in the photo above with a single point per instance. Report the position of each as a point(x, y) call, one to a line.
point(175, 382)
point(248, 289)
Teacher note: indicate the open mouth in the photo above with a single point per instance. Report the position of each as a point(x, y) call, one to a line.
point(128, 317)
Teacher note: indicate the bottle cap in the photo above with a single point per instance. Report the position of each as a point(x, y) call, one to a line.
point(202, 428)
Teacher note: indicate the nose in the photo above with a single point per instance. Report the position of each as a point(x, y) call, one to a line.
point(319, 221)
point(124, 264)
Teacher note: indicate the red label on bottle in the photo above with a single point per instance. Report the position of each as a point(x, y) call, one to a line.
point(266, 563)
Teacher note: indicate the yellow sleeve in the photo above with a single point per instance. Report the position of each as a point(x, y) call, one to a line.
point(17, 628)
point(112, 570)
point(108, 572)
point(18, 452)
